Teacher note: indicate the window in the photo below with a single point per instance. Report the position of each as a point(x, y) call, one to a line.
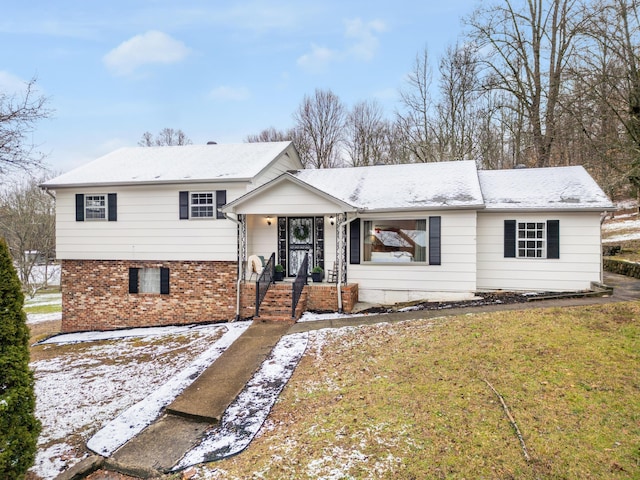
point(96, 206)
point(201, 204)
point(531, 239)
point(395, 241)
point(149, 280)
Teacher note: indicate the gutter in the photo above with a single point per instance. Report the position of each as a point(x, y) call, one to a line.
point(239, 262)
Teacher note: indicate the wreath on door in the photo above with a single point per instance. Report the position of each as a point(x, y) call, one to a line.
point(301, 232)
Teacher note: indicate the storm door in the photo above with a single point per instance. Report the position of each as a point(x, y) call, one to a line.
point(300, 239)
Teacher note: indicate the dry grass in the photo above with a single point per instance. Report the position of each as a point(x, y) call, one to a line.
point(409, 401)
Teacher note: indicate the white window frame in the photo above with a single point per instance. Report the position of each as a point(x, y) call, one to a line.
point(402, 253)
point(200, 207)
point(531, 239)
point(104, 207)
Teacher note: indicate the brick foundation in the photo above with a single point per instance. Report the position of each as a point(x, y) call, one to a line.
point(317, 297)
point(95, 295)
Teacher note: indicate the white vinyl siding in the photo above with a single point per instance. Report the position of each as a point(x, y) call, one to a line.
point(287, 160)
point(579, 263)
point(148, 227)
point(287, 198)
point(405, 281)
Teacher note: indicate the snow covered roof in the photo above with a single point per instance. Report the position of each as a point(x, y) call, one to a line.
point(183, 164)
point(400, 187)
point(555, 188)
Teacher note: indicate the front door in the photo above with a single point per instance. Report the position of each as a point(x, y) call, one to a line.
point(300, 240)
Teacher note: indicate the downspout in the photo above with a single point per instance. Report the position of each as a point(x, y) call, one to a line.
point(340, 259)
point(239, 224)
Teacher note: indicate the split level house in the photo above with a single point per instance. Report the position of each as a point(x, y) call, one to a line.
point(171, 235)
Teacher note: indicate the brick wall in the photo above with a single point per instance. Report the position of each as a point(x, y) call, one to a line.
point(324, 297)
point(95, 295)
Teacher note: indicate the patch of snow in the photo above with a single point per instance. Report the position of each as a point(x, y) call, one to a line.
point(137, 417)
point(48, 273)
point(244, 417)
point(314, 317)
point(51, 461)
point(33, 318)
point(95, 336)
point(400, 186)
point(41, 299)
point(134, 165)
point(621, 225)
point(622, 238)
point(78, 390)
point(555, 187)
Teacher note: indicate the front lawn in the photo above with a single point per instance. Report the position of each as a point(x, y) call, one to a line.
point(410, 400)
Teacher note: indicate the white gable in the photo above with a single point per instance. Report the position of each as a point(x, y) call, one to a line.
point(398, 187)
point(183, 164)
point(555, 188)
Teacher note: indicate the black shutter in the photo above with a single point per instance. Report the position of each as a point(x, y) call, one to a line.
point(434, 240)
point(184, 205)
point(509, 239)
point(79, 207)
point(354, 242)
point(164, 281)
point(112, 204)
point(133, 280)
point(553, 238)
point(221, 201)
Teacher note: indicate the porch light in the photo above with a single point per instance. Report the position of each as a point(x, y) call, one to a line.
point(268, 220)
point(332, 220)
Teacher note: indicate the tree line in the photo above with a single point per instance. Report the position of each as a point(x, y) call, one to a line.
point(532, 82)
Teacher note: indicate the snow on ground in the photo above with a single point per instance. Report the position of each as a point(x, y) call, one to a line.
point(312, 317)
point(133, 420)
point(81, 387)
point(244, 417)
point(50, 273)
point(41, 300)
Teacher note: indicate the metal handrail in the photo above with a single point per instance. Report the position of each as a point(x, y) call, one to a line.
point(264, 281)
point(299, 283)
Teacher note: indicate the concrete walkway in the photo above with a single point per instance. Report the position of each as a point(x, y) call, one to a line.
point(161, 445)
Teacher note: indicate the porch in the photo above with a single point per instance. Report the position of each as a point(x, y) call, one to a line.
point(278, 299)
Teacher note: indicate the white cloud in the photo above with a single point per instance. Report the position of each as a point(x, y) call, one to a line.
point(364, 34)
point(225, 93)
point(317, 59)
point(11, 85)
point(362, 43)
point(152, 47)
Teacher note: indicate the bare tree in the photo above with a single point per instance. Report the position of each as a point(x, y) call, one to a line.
point(366, 134)
point(415, 117)
point(459, 90)
point(18, 116)
point(27, 221)
point(270, 134)
point(319, 129)
point(527, 50)
point(165, 137)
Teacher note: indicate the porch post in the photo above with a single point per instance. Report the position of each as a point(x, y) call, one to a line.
point(243, 247)
point(341, 253)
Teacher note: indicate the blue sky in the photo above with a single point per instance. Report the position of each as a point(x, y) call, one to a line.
point(218, 70)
